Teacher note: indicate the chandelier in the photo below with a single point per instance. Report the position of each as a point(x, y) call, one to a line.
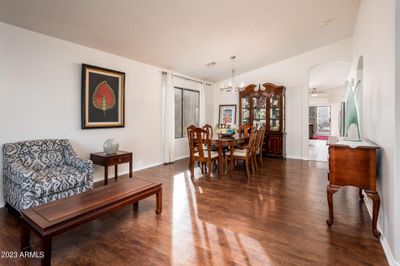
point(232, 83)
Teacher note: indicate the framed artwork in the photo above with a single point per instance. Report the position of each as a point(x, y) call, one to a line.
point(103, 97)
point(227, 114)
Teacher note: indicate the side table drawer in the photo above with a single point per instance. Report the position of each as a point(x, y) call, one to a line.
point(120, 159)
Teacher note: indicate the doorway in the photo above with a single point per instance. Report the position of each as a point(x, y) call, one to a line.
point(319, 131)
point(326, 106)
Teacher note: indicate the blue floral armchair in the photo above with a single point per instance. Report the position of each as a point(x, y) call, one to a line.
point(39, 171)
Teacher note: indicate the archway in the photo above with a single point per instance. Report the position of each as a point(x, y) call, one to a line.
point(326, 90)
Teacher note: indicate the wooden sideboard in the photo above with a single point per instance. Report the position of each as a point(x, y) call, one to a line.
point(353, 163)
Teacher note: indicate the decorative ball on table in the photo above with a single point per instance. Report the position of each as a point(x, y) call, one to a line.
point(110, 146)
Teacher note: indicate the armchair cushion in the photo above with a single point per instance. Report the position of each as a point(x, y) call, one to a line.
point(57, 179)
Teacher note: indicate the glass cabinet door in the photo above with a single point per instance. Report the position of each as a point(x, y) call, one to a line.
point(275, 113)
point(259, 110)
point(245, 110)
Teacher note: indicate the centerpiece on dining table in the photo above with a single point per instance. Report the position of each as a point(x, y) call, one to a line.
point(225, 130)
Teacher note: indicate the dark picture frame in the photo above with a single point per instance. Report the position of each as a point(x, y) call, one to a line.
point(224, 110)
point(103, 97)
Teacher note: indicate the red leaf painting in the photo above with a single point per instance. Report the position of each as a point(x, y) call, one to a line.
point(103, 97)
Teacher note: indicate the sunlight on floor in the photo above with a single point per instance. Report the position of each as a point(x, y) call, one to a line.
point(180, 196)
point(215, 245)
point(182, 246)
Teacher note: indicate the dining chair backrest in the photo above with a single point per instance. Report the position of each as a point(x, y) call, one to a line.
point(188, 129)
point(200, 139)
point(256, 140)
point(260, 139)
point(246, 129)
point(209, 129)
point(250, 145)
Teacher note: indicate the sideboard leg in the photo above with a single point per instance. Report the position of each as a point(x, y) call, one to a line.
point(374, 196)
point(330, 190)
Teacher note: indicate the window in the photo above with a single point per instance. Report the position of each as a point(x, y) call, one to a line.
point(320, 118)
point(187, 110)
point(324, 120)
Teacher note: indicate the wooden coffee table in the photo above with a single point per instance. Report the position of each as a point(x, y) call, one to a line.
point(59, 216)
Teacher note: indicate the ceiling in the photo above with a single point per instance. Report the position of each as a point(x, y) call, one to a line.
point(185, 35)
point(337, 94)
point(329, 75)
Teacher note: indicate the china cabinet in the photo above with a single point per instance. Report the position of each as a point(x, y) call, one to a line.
point(265, 106)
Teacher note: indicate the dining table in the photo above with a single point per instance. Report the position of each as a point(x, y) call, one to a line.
point(223, 142)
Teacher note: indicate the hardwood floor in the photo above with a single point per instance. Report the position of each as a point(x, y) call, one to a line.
point(278, 218)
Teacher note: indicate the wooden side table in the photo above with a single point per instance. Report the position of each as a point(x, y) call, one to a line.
point(353, 164)
point(106, 160)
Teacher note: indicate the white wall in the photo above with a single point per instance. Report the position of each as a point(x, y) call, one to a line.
point(396, 186)
point(374, 39)
point(40, 88)
point(292, 73)
point(209, 105)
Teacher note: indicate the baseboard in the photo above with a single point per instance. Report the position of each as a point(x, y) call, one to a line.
point(294, 157)
point(147, 166)
point(100, 178)
point(181, 157)
point(384, 243)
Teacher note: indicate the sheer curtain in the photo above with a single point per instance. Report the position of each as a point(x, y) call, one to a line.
point(202, 105)
point(168, 118)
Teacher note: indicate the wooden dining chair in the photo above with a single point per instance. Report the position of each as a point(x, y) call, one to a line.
point(258, 149)
point(209, 129)
point(201, 138)
point(257, 146)
point(254, 149)
point(191, 127)
point(246, 154)
point(245, 129)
